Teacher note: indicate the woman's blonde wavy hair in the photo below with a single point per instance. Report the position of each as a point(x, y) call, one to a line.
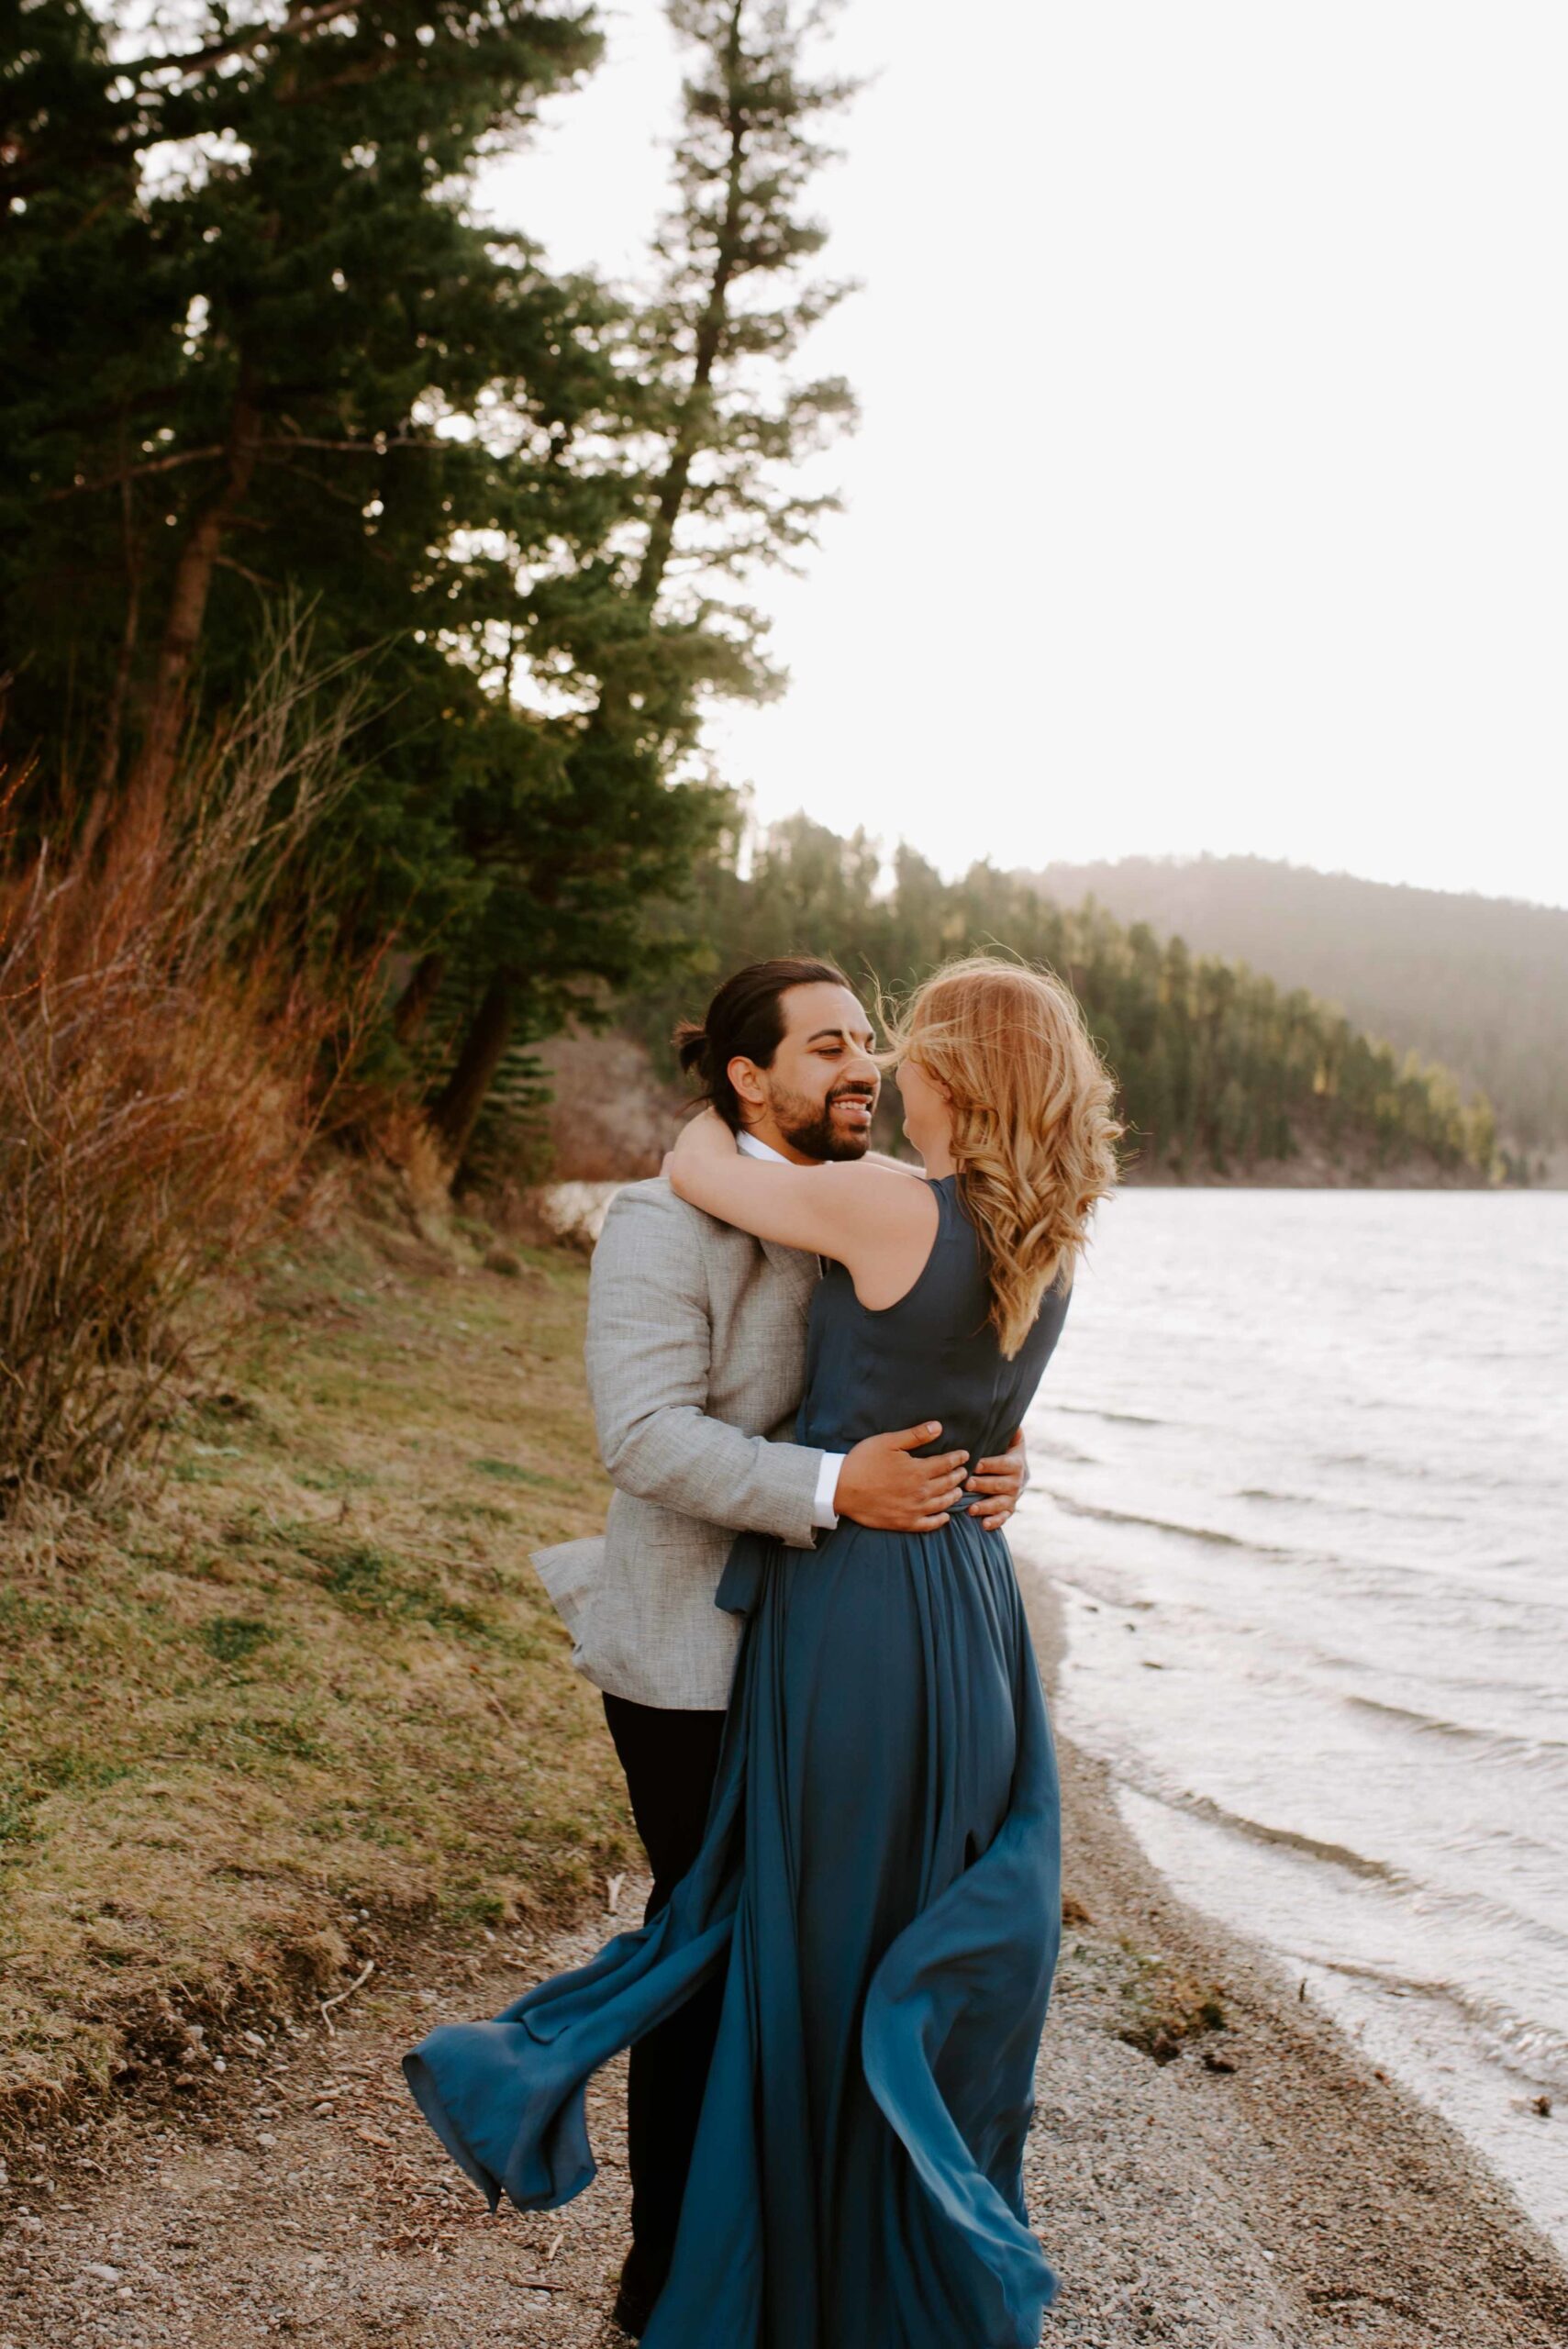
point(1033, 1134)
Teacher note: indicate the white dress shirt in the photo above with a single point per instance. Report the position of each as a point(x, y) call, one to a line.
point(822, 1512)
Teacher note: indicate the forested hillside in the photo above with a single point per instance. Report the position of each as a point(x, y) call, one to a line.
point(1478, 983)
point(1221, 1072)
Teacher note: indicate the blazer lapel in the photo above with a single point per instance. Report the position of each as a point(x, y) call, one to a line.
point(799, 1271)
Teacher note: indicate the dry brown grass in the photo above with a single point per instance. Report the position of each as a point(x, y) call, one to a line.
point(161, 1057)
point(258, 1718)
point(1167, 2007)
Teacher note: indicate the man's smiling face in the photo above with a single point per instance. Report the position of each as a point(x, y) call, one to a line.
point(814, 1100)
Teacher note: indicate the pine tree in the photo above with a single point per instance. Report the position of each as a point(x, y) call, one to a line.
point(288, 390)
point(89, 325)
point(712, 502)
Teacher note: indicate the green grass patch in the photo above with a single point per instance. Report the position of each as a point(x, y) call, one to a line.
point(204, 1463)
point(292, 1739)
point(362, 1577)
point(335, 1479)
point(234, 1639)
point(16, 1818)
point(76, 1767)
point(509, 1472)
point(474, 1512)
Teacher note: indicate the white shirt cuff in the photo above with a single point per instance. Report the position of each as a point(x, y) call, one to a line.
point(822, 1512)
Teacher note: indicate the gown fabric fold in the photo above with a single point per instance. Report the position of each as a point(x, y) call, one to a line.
point(879, 1881)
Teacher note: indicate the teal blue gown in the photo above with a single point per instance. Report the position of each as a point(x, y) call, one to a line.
point(880, 1878)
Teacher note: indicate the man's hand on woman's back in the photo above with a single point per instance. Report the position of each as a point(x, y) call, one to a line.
point(883, 1484)
point(998, 1482)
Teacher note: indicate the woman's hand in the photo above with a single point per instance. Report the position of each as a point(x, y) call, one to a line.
point(999, 1482)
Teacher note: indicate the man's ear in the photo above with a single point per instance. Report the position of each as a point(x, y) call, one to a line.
point(747, 1079)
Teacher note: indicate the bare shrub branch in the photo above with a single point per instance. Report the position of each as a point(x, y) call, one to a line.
point(163, 1042)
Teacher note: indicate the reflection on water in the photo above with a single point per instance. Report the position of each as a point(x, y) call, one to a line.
point(1301, 1476)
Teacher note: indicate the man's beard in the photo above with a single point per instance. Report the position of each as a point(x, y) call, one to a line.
point(807, 1126)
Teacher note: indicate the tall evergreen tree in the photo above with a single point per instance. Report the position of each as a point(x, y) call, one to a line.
point(286, 388)
point(89, 320)
point(713, 500)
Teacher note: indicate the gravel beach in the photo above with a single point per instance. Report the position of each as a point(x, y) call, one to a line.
point(1212, 2165)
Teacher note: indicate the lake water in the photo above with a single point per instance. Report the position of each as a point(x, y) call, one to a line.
point(1301, 1476)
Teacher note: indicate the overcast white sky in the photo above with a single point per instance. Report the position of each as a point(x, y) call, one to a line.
point(1212, 485)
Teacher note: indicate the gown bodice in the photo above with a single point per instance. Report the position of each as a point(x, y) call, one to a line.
point(933, 1355)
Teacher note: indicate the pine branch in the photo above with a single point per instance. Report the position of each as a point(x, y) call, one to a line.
point(228, 563)
point(205, 456)
point(327, 488)
point(373, 448)
point(241, 44)
point(134, 473)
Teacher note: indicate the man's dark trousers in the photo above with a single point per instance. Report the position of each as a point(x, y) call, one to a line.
point(671, 1760)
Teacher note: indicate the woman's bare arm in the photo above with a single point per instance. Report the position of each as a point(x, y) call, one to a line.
point(873, 1219)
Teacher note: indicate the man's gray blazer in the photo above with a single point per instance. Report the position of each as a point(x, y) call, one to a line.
point(696, 1361)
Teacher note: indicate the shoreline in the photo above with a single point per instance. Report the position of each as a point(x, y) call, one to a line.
point(1298, 2198)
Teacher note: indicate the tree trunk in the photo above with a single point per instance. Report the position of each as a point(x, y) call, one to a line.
point(148, 796)
point(413, 1004)
point(715, 318)
point(114, 720)
point(457, 1107)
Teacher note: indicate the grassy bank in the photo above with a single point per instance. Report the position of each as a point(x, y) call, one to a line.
point(305, 1693)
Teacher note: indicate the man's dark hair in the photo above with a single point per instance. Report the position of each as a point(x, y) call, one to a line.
point(746, 1019)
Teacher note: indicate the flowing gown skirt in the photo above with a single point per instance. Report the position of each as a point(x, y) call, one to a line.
point(881, 1873)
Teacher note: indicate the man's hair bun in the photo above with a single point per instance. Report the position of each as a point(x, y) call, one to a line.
point(690, 1040)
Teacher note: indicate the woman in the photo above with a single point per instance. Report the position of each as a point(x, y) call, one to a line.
point(880, 1874)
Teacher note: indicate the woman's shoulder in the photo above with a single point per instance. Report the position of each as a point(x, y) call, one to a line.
point(884, 1195)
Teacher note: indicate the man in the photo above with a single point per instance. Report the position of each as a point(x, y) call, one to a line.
point(696, 1363)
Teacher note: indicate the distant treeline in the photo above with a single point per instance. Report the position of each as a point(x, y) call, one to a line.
point(1219, 1069)
point(1480, 983)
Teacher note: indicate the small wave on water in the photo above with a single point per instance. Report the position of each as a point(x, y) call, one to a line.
point(1403, 1515)
point(1454, 1474)
point(1534, 2050)
point(1548, 1754)
point(1442, 1591)
point(1161, 1525)
point(1117, 1419)
point(1413, 1997)
point(1290, 1839)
